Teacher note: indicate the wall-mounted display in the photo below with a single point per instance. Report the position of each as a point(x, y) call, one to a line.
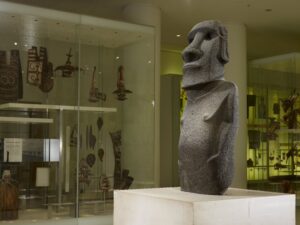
point(59, 107)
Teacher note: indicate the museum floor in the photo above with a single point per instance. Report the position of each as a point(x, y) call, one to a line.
point(298, 215)
point(87, 219)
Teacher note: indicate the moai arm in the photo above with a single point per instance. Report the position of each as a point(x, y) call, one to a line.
point(223, 157)
point(228, 126)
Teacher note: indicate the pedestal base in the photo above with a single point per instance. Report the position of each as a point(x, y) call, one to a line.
point(170, 206)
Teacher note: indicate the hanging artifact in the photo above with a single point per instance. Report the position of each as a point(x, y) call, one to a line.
point(273, 126)
point(99, 123)
point(287, 187)
point(254, 139)
point(92, 138)
point(116, 140)
point(47, 82)
point(276, 108)
point(84, 175)
point(9, 194)
point(278, 166)
point(34, 67)
point(250, 163)
point(95, 94)
point(100, 154)
point(87, 139)
point(126, 180)
point(39, 70)
point(121, 178)
point(90, 159)
point(288, 105)
point(121, 90)
point(104, 184)
point(262, 108)
point(73, 137)
point(68, 69)
point(292, 152)
point(11, 82)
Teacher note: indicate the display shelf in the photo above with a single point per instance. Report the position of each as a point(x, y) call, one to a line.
point(56, 107)
point(289, 131)
point(257, 167)
point(250, 125)
point(5, 119)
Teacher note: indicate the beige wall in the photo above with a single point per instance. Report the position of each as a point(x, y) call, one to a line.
point(171, 62)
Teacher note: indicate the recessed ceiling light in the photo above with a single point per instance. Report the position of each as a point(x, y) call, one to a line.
point(117, 57)
point(15, 43)
point(268, 10)
point(178, 35)
point(149, 61)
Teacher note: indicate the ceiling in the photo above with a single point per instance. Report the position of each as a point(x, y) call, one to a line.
point(273, 26)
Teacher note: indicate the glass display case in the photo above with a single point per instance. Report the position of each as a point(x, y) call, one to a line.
point(273, 104)
point(76, 112)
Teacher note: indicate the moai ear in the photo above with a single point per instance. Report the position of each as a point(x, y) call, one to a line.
point(223, 48)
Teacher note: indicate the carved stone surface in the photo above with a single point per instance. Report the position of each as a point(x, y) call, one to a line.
point(209, 121)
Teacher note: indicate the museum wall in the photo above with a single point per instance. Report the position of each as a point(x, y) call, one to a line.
point(170, 129)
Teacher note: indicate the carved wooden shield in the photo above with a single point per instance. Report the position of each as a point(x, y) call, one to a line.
point(11, 86)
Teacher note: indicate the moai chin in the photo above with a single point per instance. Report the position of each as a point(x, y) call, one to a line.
point(210, 119)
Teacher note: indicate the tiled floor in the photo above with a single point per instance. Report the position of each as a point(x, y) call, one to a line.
point(92, 220)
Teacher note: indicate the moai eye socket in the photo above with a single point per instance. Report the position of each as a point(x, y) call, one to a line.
point(210, 35)
point(190, 40)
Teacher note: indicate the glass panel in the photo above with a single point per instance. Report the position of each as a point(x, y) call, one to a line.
point(37, 182)
point(273, 124)
point(76, 113)
point(118, 147)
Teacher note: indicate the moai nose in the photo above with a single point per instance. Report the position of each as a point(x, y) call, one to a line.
point(191, 54)
point(193, 51)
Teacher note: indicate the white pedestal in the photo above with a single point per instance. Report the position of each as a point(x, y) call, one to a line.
point(170, 206)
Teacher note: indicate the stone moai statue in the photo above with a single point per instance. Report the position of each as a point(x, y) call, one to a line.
point(210, 118)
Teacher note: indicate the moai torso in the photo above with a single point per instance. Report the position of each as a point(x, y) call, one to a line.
point(209, 121)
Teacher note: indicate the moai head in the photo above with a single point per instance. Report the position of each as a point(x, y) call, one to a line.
point(206, 54)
